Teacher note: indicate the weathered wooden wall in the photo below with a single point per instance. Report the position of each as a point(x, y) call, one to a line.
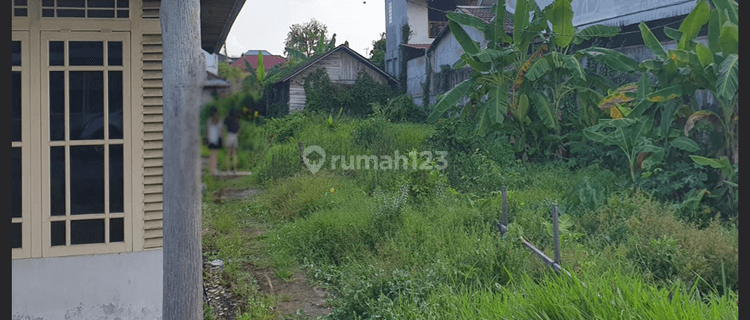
point(340, 66)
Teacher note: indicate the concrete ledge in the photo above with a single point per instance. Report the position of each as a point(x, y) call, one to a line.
point(107, 286)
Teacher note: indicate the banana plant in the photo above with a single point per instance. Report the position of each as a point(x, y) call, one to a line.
point(696, 66)
point(506, 72)
point(628, 134)
point(729, 181)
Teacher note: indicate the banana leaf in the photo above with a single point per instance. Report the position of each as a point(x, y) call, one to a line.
point(546, 112)
point(595, 31)
point(665, 94)
point(728, 39)
point(705, 56)
point(450, 99)
point(727, 83)
point(468, 20)
point(469, 45)
point(614, 59)
point(714, 30)
point(685, 143)
point(651, 42)
point(560, 14)
point(673, 34)
point(497, 102)
point(693, 24)
point(698, 116)
point(728, 8)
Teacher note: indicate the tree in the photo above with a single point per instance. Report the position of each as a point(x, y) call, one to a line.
point(306, 37)
point(377, 55)
point(184, 73)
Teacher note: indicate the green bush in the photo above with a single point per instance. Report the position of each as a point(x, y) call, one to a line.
point(279, 161)
point(295, 197)
point(664, 246)
point(400, 109)
point(322, 95)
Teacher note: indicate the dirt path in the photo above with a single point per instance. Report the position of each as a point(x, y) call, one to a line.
point(294, 295)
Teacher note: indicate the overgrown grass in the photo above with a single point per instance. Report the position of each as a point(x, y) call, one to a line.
point(411, 244)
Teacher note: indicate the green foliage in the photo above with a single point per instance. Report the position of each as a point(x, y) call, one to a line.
point(322, 95)
point(306, 37)
point(400, 109)
point(656, 240)
point(377, 55)
point(229, 72)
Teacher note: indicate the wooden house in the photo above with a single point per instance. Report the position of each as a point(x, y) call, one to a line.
point(342, 66)
point(86, 154)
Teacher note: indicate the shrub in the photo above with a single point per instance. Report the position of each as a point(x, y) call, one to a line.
point(322, 95)
point(294, 197)
point(400, 109)
point(279, 161)
point(656, 240)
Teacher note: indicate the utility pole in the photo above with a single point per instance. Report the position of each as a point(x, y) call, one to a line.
point(184, 71)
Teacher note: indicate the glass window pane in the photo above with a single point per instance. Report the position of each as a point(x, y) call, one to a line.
point(16, 114)
point(85, 53)
point(123, 3)
point(115, 105)
point(86, 179)
point(116, 173)
point(56, 53)
point(48, 12)
point(68, 13)
point(101, 13)
point(114, 53)
point(116, 230)
point(57, 233)
point(16, 196)
point(16, 53)
point(71, 3)
point(101, 4)
point(123, 13)
point(86, 107)
point(20, 12)
point(48, 3)
point(57, 180)
point(87, 231)
point(20, 3)
point(57, 105)
point(16, 235)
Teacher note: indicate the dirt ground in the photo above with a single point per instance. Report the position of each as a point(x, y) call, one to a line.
point(294, 295)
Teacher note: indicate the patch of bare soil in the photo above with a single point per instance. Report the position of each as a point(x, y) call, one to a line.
point(294, 295)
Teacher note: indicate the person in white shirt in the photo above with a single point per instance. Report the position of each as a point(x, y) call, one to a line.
point(214, 131)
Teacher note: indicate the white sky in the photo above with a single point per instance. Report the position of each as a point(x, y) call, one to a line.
point(263, 25)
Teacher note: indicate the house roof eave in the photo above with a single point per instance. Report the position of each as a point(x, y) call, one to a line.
point(340, 47)
point(217, 18)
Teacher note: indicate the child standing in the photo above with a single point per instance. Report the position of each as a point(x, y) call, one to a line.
point(232, 123)
point(213, 134)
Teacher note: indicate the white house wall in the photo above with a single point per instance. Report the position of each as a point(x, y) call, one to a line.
point(417, 13)
point(415, 70)
point(81, 287)
point(447, 51)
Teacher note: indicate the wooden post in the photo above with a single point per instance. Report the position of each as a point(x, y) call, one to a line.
point(184, 71)
point(556, 234)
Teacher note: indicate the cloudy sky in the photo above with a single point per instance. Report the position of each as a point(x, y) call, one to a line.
point(263, 25)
